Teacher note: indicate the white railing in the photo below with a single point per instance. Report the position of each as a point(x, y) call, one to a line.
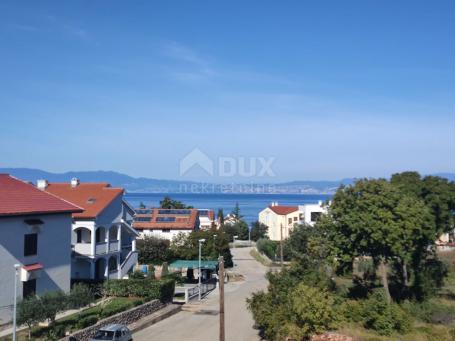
point(128, 263)
point(100, 248)
point(83, 248)
point(113, 246)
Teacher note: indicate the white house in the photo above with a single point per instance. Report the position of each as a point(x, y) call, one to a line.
point(103, 240)
point(282, 219)
point(35, 233)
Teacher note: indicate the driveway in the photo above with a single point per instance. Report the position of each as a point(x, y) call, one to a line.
point(203, 323)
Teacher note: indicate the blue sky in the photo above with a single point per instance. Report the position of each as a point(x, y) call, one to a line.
point(329, 89)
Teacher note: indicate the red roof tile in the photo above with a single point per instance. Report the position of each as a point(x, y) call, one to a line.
point(93, 197)
point(20, 198)
point(283, 210)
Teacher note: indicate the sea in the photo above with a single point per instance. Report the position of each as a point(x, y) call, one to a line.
point(250, 204)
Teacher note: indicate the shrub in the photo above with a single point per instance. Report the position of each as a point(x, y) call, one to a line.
point(267, 247)
point(136, 275)
point(53, 302)
point(114, 307)
point(87, 321)
point(81, 295)
point(384, 317)
point(150, 289)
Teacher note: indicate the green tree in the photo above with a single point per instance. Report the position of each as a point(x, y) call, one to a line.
point(373, 218)
point(220, 216)
point(236, 212)
point(30, 311)
point(153, 250)
point(80, 296)
point(169, 203)
point(142, 205)
point(53, 302)
point(258, 231)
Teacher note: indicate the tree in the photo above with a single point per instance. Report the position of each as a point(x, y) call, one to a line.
point(258, 231)
point(373, 218)
point(236, 212)
point(153, 250)
point(221, 216)
point(239, 228)
point(142, 205)
point(53, 302)
point(169, 203)
point(30, 311)
point(80, 296)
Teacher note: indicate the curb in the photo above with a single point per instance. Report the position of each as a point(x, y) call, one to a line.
point(157, 316)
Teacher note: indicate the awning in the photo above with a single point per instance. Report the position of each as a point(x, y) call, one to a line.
point(31, 271)
point(194, 264)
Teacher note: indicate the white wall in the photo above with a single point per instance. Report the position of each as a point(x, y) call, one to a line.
point(163, 235)
point(54, 252)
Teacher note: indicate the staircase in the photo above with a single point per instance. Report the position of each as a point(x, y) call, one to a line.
point(129, 262)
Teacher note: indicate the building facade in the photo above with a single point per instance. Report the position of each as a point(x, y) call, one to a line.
point(103, 241)
point(282, 219)
point(35, 233)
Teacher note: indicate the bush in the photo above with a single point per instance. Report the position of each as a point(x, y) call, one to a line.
point(267, 247)
point(383, 317)
point(150, 289)
point(87, 321)
point(136, 275)
point(81, 295)
point(115, 307)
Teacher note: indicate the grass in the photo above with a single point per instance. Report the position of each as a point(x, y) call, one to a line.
point(72, 322)
point(260, 258)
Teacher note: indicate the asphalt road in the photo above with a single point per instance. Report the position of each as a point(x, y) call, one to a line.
point(203, 323)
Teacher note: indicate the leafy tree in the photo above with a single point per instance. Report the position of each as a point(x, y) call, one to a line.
point(30, 311)
point(258, 231)
point(153, 250)
point(142, 205)
point(169, 203)
point(373, 218)
point(53, 302)
point(239, 228)
point(236, 212)
point(80, 296)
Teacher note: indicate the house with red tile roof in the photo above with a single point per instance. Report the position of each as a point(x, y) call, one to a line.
point(102, 237)
point(282, 219)
point(35, 234)
point(165, 223)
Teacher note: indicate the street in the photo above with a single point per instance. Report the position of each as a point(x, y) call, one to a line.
point(203, 324)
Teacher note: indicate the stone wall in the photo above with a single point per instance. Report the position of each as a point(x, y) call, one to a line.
point(125, 317)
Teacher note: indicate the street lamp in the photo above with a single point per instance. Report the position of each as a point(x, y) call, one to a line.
point(235, 237)
point(200, 249)
point(16, 272)
point(214, 243)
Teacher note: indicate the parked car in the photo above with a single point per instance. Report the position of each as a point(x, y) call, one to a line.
point(113, 332)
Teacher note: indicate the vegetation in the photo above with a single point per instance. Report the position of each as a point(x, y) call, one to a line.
point(153, 250)
point(169, 203)
point(258, 231)
point(373, 264)
point(149, 289)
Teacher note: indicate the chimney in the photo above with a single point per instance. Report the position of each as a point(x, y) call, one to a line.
point(41, 184)
point(74, 182)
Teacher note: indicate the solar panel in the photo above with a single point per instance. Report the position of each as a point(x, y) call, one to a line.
point(174, 211)
point(142, 219)
point(165, 219)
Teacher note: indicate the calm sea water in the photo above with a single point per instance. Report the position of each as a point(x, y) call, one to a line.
point(250, 204)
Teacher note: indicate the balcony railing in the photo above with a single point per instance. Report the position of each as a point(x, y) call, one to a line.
point(83, 248)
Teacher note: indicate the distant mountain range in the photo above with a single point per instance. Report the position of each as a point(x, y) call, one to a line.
point(148, 185)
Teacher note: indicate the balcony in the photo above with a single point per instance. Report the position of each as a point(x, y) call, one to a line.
point(83, 248)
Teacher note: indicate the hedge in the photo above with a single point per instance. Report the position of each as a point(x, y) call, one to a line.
point(149, 289)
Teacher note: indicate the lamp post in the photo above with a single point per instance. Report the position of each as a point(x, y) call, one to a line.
point(200, 249)
point(16, 270)
point(214, 243)
point(235, 237)
point(249, 236)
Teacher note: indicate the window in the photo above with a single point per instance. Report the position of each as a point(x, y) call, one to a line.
point(30, 244)
point(29, 288)
point(315, 216)
point(98, 235)
point(295, 218)
point(166, 230)
point(301, 216)
point(289, 221)
point(79, 236)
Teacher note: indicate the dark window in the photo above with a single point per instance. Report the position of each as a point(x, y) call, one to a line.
point(30, 244)
point(315, 216)
point(98, 235)
point(118, 333)
point(29, 288)
point(79, 236)
point(295, 218)
point(165, 230)
point(289, 220)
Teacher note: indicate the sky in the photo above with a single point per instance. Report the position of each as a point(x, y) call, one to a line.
point(301, 90)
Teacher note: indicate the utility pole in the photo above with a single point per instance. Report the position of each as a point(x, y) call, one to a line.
point(221, 283)
point(16, 271)
point(281, 244)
